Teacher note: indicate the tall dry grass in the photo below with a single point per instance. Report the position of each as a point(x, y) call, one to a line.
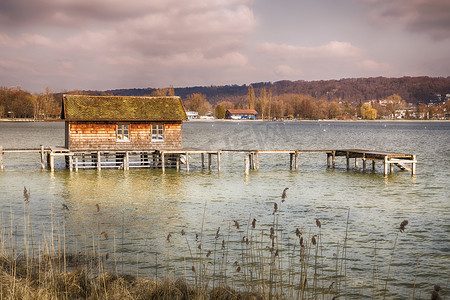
point(245, 261)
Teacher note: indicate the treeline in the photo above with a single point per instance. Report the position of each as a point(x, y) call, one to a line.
point(414, 90)
point(17, 103)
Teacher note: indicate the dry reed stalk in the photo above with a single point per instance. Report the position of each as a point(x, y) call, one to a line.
point(415, 278)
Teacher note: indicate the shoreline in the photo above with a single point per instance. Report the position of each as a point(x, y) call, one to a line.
point(243, 120)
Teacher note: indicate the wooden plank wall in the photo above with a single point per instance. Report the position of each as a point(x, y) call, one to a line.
point(102, 136)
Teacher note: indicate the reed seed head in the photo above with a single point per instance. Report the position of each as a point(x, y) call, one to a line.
point(236, 224)
point(254, 223)
point(208, 254)
point(313, 240)
point(298, 233)
point(223, 244)
point(65, 207)
point(318, 223)
point(182, 232)
point(199, 246)
point(217, 233)
point(98, 207)
point(107, 256)
point(105, 235)
point(193, 269)
point(26, 195)
point(238, 269)
point(283, 195)
point(168, 237)
point(275, 207)
point(403, 225)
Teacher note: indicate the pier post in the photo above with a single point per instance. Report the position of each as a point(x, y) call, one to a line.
point(1, 158)
point(296, 160)
point(290, 160)
point(373, 165)
point(42, 157)
point(187, 161)
point(356, 162)
point(347, 156)
point(218, 161)
point(364, 164)
point(209, 161)
point(76, 164)
point(203, 160)
point(99, 163)
point(126, 161)
point(328, 160)
point(70, 163)
point(385, 166)
point(333, 161)
point(413, 166)
point(247, 165)
point(51, 161)
point(178, 162)
point(163, 163)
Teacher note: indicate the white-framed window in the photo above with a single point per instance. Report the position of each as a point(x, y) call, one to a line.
point(157, 132)
point(123, 132)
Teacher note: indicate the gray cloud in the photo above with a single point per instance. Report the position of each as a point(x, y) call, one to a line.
point(430, 17)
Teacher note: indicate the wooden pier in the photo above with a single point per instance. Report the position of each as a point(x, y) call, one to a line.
point(162, 159)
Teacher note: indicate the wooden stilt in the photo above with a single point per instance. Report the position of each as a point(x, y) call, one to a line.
point(126, 162)
point(328, 160)
point(187, 161)
point(333, 161)
point(209, 161)
point(99, 163)
point(163, 163)
point(218, 161)
point(347, 156)
point(391, 167)
point(70, 163)
point(296, 160)
point(373, 165)
point(364, 164)
point(51, 162)
point(76, 163)
point(290, 160)
point(413, 166)
point(257, 160)
point(247, 165)
point(1, 158)
point(42, 157)
point(203, 160)
point(385, 167)
point(178, 162)
point(356, 162)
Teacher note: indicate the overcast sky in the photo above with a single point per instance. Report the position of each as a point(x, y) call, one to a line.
point(110, 44)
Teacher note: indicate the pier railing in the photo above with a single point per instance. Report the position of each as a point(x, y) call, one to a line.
point(175, 158)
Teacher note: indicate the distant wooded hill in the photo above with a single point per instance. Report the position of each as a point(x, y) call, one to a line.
point(354, 90)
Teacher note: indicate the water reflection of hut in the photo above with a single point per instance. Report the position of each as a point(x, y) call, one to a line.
point(122, 122)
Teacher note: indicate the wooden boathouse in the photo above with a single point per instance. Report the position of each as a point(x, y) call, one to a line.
point(104, 131)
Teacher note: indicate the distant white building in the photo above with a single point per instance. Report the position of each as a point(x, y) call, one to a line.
point(192, 115)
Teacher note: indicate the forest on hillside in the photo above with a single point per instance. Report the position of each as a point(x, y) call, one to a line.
point(423, 97)
point(415, 90)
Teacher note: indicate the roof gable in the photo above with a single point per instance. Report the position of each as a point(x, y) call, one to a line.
point(122, 108)
point(242, 111)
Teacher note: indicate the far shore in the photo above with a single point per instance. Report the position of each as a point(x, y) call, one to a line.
point(244, 120)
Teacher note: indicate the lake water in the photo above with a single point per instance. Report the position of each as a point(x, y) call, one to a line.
point(140, 207)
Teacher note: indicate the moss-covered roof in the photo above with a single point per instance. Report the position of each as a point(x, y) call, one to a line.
point(122, 108)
